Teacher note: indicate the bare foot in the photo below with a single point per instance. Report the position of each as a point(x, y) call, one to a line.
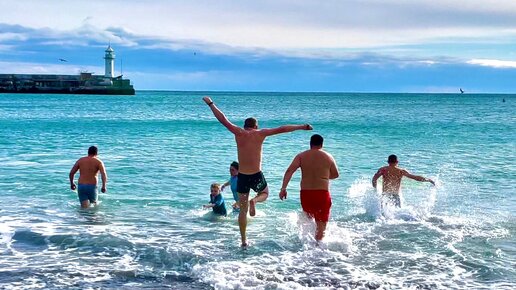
point(252, 207)
point(245, 245)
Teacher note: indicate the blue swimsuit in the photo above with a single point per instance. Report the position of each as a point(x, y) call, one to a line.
point(220, 206)
point(233, 182)
point(87, 192)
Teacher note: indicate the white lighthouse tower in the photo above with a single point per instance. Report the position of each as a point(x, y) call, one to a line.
point(110, 62)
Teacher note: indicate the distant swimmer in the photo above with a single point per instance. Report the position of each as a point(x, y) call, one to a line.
point(63, 60)
point(216, 200)
point(392, 176)
point(461, 91)
point(317, 169)
point(232, 182)
point(249, 141)
point(88, 168)
point(503, 101)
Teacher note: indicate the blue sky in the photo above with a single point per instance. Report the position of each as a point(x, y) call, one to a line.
point(281, 45)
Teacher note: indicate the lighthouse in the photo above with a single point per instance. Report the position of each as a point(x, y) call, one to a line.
point(110, 62)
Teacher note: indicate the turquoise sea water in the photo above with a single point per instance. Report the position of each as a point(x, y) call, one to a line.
point(162, 150)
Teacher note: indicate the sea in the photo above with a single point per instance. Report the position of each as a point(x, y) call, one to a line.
point(162, 151)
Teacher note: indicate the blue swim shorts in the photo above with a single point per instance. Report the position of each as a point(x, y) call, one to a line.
point(87, 192)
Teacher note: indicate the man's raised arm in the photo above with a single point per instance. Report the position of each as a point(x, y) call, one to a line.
point(286, 129)
point(221, 117)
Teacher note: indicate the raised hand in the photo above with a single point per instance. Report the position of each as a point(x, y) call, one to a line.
point(207, 100)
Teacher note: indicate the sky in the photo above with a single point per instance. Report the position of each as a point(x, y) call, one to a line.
point(400, 46)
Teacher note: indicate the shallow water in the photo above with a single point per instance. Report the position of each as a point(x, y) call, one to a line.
point(162, 151)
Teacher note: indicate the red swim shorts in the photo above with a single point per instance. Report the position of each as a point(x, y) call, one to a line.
point(316, 203)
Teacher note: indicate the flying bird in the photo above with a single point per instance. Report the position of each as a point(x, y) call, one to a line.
point(63, 60)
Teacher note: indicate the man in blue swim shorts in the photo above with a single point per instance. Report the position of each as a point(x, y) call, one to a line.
point(88, 167)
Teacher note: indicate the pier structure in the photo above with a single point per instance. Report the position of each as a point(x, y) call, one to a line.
point(82, 83)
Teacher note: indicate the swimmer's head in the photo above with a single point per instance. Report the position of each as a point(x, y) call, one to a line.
point(393, 159)
point(233, 168)
point(316, 141)
point(93, 151)
point(215, 188)
point(251, 123)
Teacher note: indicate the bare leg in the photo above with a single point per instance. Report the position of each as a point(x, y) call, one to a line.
point(260, 197)
point(242, 216)
point(319, 231)
point(85, 204)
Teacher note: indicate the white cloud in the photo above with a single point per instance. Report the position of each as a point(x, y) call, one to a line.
point(45, 68)
point(12, 36)
point(277, 23)
point(495, 63)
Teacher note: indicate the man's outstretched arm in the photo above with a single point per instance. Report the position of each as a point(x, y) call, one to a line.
point(417, 177)
point(221, 117)
point(286, 129)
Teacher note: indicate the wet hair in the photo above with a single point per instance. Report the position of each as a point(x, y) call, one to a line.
point(215, 185)
point(234, 164)
point(392, 159)
point(250, 123)
point(93, 150)
point(316, 140)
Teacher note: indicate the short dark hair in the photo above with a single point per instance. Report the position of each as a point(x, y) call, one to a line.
point(234, 164)
point(316, 140)
point(93, 150)
point(392, 159)
point(250, 123)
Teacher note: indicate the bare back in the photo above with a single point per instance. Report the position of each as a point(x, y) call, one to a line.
point(392, 176)
point(249, 147)
point(317, 168)
point(88, 169)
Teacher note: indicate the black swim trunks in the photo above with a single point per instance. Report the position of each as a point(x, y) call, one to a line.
point(254, 181)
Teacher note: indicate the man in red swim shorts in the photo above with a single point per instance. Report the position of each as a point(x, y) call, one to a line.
point(317, 168)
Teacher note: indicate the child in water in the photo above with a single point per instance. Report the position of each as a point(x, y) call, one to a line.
point(216, 200)
point(233, 171)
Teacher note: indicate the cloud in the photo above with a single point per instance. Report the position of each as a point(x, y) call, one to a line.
point(366, 45)
point(7, 67)
point(279, 24)
point(494, 63)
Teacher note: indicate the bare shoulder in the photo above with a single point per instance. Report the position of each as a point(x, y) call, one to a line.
point(238, 130)
point(383, 169)
point(259, 133)
point(328, 154)
point(82, 160)
point(99, 162)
